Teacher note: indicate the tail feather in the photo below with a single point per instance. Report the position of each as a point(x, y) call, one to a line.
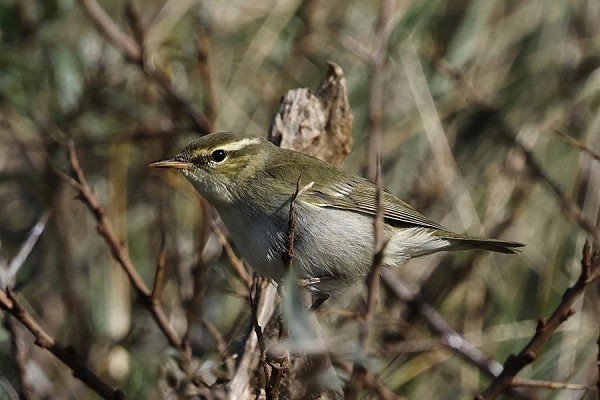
point(471, 242)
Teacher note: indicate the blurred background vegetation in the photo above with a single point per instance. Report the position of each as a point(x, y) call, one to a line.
point(456, 76)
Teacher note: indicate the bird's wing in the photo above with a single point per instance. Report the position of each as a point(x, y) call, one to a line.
point(358, 194)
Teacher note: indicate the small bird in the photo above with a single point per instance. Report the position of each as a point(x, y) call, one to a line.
point(251, 182)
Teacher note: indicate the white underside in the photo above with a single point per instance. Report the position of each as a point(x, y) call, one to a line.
point(326, 246)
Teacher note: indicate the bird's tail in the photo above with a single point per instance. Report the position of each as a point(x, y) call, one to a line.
point(462, 242)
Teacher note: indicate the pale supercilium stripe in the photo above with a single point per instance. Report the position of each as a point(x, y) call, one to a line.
point(240, 144)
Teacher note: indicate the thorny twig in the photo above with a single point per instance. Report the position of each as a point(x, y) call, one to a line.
point(590, 273)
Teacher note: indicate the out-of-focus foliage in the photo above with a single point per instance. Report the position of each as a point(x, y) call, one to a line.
point(536, 62)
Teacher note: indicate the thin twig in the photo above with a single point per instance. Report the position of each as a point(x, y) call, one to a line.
point(134, 52)
point(279, 371)
point(376, 86)
point(203, 47)
point(160, 269)
point(236, 262)
point(221, 345)
point(448, 335)
point(373, 285)
point(119, 250)
point(590, 273)
point(571, 209)
point(581, 146)
point(68, 355)
point(368, 380)
point(288, 254)
point(254, 304)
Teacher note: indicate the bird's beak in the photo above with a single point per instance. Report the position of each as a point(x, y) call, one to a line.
point(175, 162)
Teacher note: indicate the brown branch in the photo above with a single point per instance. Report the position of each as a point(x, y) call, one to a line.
point(236, 263)
point(120, 252)
point(449, 337)
point(288, 254)
point(590, 273)
point(135, 53)
point(160, 269)
point(109, 29)
point(10, 304)
point(373, 280)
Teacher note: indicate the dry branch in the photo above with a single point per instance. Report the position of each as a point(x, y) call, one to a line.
point(150, 299)
point(68, 355)
point(590, 273)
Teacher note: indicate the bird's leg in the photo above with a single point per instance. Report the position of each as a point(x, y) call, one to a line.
point(321, 297)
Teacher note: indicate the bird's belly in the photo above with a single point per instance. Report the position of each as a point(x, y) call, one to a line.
point(329, 243)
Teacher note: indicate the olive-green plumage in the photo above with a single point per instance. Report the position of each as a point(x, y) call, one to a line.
point(250, 182)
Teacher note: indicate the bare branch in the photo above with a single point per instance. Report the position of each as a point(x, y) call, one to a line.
point(590, 273)
point(120, 252)
point(10, 304)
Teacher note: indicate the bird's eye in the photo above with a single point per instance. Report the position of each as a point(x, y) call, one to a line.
point(218, 155)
